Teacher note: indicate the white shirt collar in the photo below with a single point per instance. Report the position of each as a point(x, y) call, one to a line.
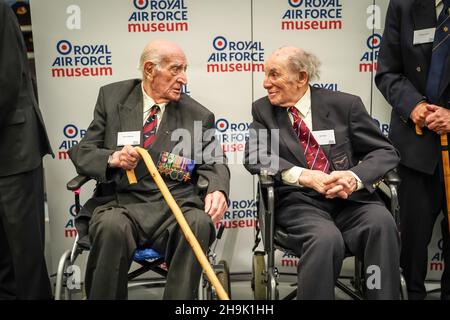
point(148, 102)
point(304, 104)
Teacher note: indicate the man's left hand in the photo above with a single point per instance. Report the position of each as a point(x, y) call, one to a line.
point(438, 120)
point(341, 184)
point(216, 205)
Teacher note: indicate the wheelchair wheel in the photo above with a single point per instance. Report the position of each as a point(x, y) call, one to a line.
point(223, 274)
point(259, 284)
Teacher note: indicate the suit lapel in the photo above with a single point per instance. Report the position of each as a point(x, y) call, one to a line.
point(287, 134)
point(131, 112)
point(320, 116)
point(424, 17)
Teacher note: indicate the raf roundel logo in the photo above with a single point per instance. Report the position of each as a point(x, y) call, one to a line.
point(222, 125)
point(64, 47)
point(219, 43)
point(374, 41)
point(140, 4)
point(70, 131)
point(295, 3)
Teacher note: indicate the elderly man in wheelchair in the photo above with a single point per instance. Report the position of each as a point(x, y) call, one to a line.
point(324, 178)
point(155, 114)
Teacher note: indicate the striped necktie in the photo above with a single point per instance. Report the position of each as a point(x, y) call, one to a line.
point(313, 152)
point(150, 125)
point(440, 51)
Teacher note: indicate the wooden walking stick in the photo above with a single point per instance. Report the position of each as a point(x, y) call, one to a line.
point(190, 237)
point(446, 168)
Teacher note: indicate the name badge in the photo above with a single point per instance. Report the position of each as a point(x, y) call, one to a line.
point(324, 137)
point(176, 167)
point(424, 36)
point(128, 138)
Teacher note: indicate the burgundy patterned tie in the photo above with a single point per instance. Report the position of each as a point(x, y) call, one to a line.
point(149, 130)
point(313, 152)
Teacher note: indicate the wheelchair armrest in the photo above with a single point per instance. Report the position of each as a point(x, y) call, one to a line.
point(266, 179)
point(202, 183)
point(392, 178)
point(77, 182)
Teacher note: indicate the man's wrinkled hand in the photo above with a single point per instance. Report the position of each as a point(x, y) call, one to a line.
point(420, 112)
point(438, 119)
point(314, 179)
point(340, 184)
point(216, 205)
point(127, 158)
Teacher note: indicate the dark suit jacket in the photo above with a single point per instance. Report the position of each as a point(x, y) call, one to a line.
point(23, 139)
point(402, 76)
point(118, 109)
point(360, 146)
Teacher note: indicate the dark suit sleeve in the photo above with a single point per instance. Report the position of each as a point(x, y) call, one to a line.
point(261, 149)
point(390, 79)
point(89, 156)
point(214, 168)
point(10, 63)
point(376, 154)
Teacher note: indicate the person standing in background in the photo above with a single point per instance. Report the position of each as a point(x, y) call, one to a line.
point(23, 143)
point(414, 76)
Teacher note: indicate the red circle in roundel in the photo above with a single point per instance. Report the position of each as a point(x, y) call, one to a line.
point(222, 125)
point(295, 1)
point(141, 2)
point(64, 47)
point(70, 131)
point(219, 43)
point(374, 41)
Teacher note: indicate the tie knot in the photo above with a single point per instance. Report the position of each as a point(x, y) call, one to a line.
point(294, 111)
point(446, 5)
point(154, 110)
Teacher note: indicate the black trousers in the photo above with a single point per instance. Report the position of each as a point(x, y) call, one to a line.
point(23, 272)
point(422, 198)
point(114, 239)
point(323, 229)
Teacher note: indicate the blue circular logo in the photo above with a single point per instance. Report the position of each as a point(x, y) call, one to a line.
point(295, 3)
point(374, 41)
point(72, 211)
point(64, 47)
point(140, 4)
point(219, 43)
point(70, 131)
point(222, 125)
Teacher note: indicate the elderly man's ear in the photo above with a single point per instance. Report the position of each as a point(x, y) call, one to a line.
point(302, 78)
point(148, 69)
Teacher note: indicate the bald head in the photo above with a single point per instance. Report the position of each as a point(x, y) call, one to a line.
point(158, 51)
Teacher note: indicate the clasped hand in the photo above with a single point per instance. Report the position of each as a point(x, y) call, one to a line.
point(432, 116)
point(337, 184)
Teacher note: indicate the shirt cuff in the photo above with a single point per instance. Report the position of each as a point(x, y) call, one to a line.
point(359, 184)
point(292, 175)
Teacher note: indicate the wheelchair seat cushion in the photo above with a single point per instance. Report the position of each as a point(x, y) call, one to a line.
point(146, 254)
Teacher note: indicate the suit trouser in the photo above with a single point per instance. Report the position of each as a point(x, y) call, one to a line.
point(23, 272)
point(114, 240)
point(367, 230)
point(421, 199)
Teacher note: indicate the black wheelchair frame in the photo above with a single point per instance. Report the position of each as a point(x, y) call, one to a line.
point(265, 279)
point(151, 261)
